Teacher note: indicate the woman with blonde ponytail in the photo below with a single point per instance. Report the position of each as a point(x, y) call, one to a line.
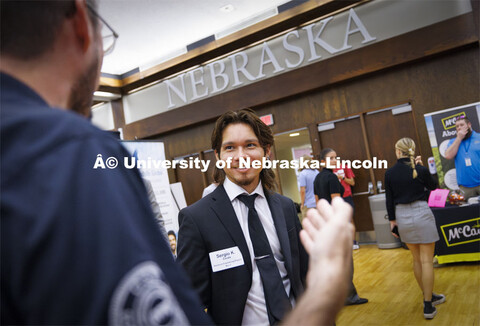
point(408, 210)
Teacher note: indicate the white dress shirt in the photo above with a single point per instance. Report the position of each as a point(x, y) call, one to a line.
point(255, 308)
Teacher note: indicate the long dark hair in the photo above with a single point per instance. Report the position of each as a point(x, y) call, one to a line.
point(261, 130)
point(324, 152)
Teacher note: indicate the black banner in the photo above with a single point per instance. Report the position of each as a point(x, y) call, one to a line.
point(459, 231)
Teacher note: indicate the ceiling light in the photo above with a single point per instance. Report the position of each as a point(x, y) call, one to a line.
point(227, 8)
point(105, 96)
point(295, 134)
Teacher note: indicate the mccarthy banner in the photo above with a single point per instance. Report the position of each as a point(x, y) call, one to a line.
point(441, 128)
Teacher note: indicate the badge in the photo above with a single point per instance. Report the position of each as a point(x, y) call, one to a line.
point(226, 259)
point(143, 297)
point(468, 161)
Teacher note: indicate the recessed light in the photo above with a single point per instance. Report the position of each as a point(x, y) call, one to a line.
point(295, 134)
point(106, 94)
point(227, 8)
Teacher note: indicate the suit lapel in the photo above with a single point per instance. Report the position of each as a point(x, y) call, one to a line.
point(223, 208)
point(281, 227)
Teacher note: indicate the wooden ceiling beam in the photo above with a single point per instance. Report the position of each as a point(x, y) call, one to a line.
point(286, 20)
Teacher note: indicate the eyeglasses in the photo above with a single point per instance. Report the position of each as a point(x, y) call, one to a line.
point(108, 34)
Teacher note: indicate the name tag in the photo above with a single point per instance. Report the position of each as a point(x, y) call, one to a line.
point(468, 161)
point(226, 259)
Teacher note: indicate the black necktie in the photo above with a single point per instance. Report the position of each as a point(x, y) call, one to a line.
point(275, 296)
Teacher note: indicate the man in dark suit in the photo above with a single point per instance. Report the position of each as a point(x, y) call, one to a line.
point(241, 279)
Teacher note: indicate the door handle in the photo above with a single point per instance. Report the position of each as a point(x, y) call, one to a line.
point(379, 187)
point(370, 188)
point(369, 192)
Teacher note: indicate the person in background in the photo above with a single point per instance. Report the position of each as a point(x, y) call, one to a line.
point(327, 186)
point(347, 180)
point(305, 180)
point(172, 239)
point(408, 210)
point(155, 207)
point(465, 149)
point(153, 201)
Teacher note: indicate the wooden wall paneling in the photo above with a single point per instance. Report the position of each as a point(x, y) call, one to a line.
point(192, 182)
point(210, 155)
point(118, 114)
point(201, 156)
point(366, 143)
point(476, 15)
point(384, 129)
point(347, 141)
point(172, 175)
point(419, 44)
point(193, 139)
point(298, 112)
point(314, 139)
point(416, 123)
point(443, 81)
point(278, 183)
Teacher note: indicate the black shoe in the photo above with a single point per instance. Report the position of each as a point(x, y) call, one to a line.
point(355, 300)
point(429, 311)
point(438, 299)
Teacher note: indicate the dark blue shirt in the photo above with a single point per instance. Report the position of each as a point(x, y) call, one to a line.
point(78, 245)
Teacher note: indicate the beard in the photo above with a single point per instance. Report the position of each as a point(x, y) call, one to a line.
point(81, 95)
point(246, 180)
point(469, 133)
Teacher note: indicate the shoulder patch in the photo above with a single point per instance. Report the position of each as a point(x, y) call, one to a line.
point(144, 298)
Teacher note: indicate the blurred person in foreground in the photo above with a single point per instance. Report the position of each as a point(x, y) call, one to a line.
point(407, 208)
point(80, 245)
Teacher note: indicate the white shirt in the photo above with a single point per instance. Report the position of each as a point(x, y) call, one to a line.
point(209, 189)
point(255, 312)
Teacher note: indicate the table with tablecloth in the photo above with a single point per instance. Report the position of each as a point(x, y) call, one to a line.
point(459, 231)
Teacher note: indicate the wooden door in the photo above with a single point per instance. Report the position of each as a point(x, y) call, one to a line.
point(209, 156)
point(192, 181)
point(384, 129)
point(347, 140)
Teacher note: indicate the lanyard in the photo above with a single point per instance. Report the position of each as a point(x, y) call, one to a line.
point(469, 143)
